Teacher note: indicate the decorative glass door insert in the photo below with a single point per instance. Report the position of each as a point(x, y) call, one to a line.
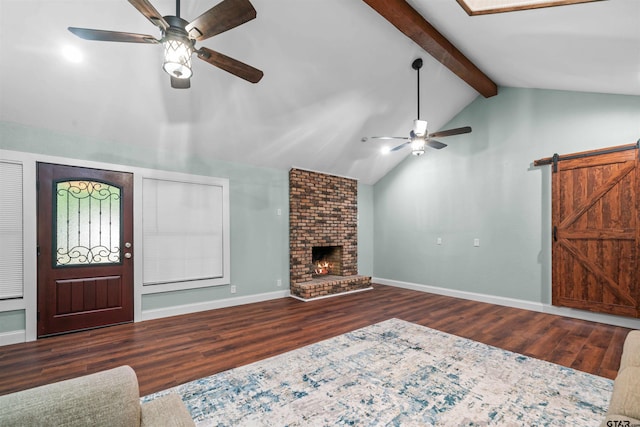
point(88, 223)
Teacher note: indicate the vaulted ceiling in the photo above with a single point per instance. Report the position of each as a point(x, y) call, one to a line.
point(334, 71)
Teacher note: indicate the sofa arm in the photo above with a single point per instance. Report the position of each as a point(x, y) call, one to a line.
point(107, 398)
point(630, 351)
point(167, 410)
point(625, 399)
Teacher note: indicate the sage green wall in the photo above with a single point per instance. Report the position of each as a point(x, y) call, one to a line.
point(365, 229)
point(483, 185)
point(259, 237)
point(12, 321)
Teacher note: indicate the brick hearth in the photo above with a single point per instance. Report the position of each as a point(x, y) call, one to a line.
point(323, 211)
point(330, 285)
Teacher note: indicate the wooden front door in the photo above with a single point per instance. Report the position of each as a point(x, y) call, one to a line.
point(85, 246)
point(595, 235)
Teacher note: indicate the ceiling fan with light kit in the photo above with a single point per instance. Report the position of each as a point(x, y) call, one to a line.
point(179, 38)
point(418, 138)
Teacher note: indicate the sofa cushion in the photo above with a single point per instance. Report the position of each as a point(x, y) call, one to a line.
point(631, 350)
point(167, 410)
point(625, 399)
point(107, 398)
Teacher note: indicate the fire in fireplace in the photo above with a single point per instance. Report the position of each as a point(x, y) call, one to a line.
point(326, 260)
point(322, 267)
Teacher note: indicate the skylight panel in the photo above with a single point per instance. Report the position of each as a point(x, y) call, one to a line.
point(482, 7)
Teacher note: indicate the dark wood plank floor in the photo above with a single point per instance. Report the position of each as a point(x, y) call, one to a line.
point(171, 351)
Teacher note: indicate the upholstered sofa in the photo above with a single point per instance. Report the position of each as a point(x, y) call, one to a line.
point(107, 398)
point(624, 408)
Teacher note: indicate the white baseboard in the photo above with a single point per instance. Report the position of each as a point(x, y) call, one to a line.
point(625, 322)
point(330, 295)
point(13, 337)
point(211, 305)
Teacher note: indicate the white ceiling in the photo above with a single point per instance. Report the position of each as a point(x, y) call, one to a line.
point(334, 71)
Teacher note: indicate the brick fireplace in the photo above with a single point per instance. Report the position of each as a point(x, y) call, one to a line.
point(323, 235)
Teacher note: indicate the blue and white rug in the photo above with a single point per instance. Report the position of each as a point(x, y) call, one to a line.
point(397, 373)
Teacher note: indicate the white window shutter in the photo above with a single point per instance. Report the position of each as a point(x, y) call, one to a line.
point(11, 231)
point(182, 231)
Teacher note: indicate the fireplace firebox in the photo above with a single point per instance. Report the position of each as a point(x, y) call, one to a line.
point(326, 260)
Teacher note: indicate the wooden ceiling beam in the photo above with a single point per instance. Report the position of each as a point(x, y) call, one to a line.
point(413, 25)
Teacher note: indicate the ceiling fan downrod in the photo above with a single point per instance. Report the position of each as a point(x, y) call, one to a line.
point(416, 65)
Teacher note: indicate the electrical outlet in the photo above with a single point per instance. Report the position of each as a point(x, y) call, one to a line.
point(233, 289)
point(279, 282)
point(476, 242)
point(278, 211)
point(439, 241)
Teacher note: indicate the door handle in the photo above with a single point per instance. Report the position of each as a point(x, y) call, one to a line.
point(127, 255)
point(127, 245)
point(555, 233)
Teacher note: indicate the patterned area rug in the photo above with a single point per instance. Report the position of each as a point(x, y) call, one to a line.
point(397, 373)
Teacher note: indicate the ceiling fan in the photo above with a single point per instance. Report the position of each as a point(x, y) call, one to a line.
point(418, 137)
point(179, 38)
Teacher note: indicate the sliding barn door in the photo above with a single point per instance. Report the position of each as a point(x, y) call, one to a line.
point(595, 232)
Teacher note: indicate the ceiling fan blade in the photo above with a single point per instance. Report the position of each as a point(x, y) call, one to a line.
point(112, 36)
point(400, 146)
point(389, 137)
point(150, 12)
point(224, 16)
point(450, 132)
point(230, 65)
point(435, 144)
point(180, 83)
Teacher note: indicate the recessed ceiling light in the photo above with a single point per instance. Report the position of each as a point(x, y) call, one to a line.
point(482, 7)
point(72, 54)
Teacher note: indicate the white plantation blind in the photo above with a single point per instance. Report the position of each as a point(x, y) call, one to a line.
point(11, 244)
point(182, 231)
